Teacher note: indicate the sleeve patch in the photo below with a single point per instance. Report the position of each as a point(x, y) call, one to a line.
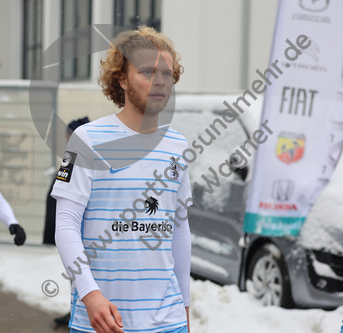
point(66, 168)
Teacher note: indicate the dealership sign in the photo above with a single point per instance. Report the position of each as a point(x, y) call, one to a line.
point(304, 108)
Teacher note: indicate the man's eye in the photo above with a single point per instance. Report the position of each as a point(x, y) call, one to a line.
point(148, 71)
point(167, 73)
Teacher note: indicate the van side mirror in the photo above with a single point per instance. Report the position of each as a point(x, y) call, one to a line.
point(242, 172)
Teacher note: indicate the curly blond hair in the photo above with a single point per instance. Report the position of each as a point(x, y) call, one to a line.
point(116, 61)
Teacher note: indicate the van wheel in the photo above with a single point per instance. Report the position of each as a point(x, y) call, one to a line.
point(268, 279)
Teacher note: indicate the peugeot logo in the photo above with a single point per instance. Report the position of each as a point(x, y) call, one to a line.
point(282, 189)
point(314, 5)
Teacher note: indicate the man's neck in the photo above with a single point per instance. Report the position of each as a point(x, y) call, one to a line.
point(138, 121)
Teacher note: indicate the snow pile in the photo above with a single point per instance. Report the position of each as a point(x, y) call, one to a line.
point(227, 310)
point(323, 229)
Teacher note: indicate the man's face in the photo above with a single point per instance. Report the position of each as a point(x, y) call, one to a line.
point(149, 80)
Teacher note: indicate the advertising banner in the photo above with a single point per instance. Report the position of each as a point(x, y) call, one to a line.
point(304, 109)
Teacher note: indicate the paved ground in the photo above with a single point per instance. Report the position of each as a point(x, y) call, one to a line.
point(17, 317)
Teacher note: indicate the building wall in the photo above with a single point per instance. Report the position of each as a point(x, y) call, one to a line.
point(209, 35)
point(11, 18)
point(262, 21)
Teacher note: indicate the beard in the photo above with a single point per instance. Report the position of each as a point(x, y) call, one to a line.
point(142, 103)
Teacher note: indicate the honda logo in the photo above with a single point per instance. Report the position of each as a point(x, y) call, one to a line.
point(282, 189)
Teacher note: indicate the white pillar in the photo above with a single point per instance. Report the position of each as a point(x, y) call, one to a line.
point(52, 14)
point(103, 12)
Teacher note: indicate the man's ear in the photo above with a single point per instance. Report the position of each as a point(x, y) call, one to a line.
point(123, 80)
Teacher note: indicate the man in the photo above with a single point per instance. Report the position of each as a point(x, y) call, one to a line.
point(7, 216)
point(128, 286)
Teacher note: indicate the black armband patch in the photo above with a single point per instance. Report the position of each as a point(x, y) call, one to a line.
point(66, 168)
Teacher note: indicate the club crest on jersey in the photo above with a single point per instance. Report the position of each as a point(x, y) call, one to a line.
point(152, 205)
point(67, 165)
point(174, 170)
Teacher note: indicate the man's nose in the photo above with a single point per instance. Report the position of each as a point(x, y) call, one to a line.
point(158, 79)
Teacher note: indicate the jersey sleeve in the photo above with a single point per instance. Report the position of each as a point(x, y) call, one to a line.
point(75, 176)
point(69, 244)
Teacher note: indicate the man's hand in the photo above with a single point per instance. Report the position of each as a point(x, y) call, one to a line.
point(103, 315)
point(188, 323)
point(18, 231)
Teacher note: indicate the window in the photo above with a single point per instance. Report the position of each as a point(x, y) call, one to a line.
point(33, 10)
point(75, 14)
point(132, 13)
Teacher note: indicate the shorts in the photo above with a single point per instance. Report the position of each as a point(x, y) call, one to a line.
point(182, 329)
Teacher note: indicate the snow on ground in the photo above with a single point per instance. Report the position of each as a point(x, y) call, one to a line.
point(24, 269)
point(227, 310)
point(214, 309)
